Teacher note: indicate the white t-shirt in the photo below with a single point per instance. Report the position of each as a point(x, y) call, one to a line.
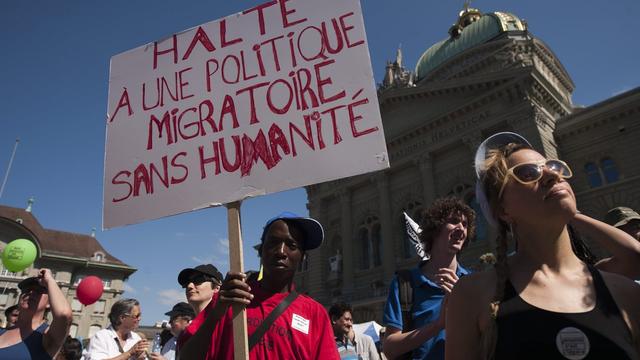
point(104, 344)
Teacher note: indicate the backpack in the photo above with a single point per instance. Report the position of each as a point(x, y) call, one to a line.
point(405, 293)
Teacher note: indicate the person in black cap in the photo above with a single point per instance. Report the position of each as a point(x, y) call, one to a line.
point(302, 330)
point(180, 317)
point(200, 284)
point(625, 219)
point(32, 337)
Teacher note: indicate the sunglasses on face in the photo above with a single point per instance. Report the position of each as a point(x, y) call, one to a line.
point(199, 279)
point(137, 316)
point(530, 172)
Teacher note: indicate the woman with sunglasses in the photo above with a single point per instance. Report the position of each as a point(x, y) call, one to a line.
point(119, 341)
point(32, 337)
point(543, 302)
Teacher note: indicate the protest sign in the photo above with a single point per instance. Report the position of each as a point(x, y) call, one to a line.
point(272, 98)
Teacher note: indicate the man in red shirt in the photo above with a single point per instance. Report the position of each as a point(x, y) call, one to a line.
point(302, 331)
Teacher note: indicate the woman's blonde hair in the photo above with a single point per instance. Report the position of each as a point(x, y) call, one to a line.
point(492, 179)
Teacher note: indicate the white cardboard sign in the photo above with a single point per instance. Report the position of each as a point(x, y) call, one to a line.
point(273, 98)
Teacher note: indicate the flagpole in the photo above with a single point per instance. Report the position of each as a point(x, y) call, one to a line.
point(6, 175)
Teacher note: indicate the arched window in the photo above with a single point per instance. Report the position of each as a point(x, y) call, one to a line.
point(363, 237)
point(482, 226)
point(376, 241)
point(73, 330)
point(609, 170)
point(94, 329)
point(370, 241)
point(593, 174)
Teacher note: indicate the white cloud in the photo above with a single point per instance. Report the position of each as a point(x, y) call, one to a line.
point(128, 288)
point(170, 296)
point(220, 256)
point(224, 243)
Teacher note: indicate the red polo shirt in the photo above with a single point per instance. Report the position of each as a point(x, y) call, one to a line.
point(303, 331)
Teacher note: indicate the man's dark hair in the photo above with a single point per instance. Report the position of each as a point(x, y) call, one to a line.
point(336, 310)
point(71, 349)
point(433, 218)
point(9, 310)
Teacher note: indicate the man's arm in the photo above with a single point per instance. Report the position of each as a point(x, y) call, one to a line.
point(98, 349)
point(234, 290)
point(625, 250)
point(61, 312)
point(396, 342)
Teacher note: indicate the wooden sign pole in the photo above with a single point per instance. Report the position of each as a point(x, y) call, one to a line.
point(240, 337)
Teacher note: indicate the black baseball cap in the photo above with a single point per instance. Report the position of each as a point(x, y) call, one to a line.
point(181, 308)
point(311, 227)
point(31, 282)
point(206, 269)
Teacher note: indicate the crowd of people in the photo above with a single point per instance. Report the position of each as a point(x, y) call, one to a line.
point(546, 297)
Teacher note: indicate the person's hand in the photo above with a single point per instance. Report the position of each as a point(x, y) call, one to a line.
point(45, 277)
point(235, 290)
point(446, 279)
point(156, 356)
point(138, 350)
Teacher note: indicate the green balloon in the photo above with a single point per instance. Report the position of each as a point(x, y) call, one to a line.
point(19, 255)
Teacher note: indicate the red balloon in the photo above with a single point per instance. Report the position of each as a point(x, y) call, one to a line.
point(89, 290)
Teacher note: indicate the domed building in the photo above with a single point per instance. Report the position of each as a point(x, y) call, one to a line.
point(489, 75)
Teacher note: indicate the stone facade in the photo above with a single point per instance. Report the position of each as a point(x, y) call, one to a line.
point(70, 257)
point(433, 126)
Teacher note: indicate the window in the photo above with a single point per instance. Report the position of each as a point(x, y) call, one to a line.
point(4, 298)
point(609, 170)
point(482, 226)
point(593, 175)
point(106, 283)
point(73, 330)
point(76, 305)
point(370, 243)
point(77, 280)
point(6, 273)
point(99, 306)
point(606, 172)
point(94, 329)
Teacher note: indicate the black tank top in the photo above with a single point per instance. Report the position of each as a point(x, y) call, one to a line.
point(527, 332)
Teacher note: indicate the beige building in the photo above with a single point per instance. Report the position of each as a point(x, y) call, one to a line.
point(491, 74)
point(70, 257)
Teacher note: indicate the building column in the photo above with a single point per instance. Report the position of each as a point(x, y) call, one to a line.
point(388, 258)
point(348, 257)
point(425, 164)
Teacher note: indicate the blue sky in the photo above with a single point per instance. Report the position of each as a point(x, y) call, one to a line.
point(54, 69)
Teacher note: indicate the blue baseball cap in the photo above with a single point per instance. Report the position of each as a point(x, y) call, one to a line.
point(311, 227)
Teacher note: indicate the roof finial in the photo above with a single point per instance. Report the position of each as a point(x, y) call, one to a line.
point(399, 55)
point(93, 232)
point(466, 4)
point(30, 204)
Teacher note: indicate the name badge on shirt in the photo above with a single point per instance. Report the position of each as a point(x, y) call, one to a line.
point(299, 323)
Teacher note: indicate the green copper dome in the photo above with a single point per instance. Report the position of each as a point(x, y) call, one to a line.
point(466, 36)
